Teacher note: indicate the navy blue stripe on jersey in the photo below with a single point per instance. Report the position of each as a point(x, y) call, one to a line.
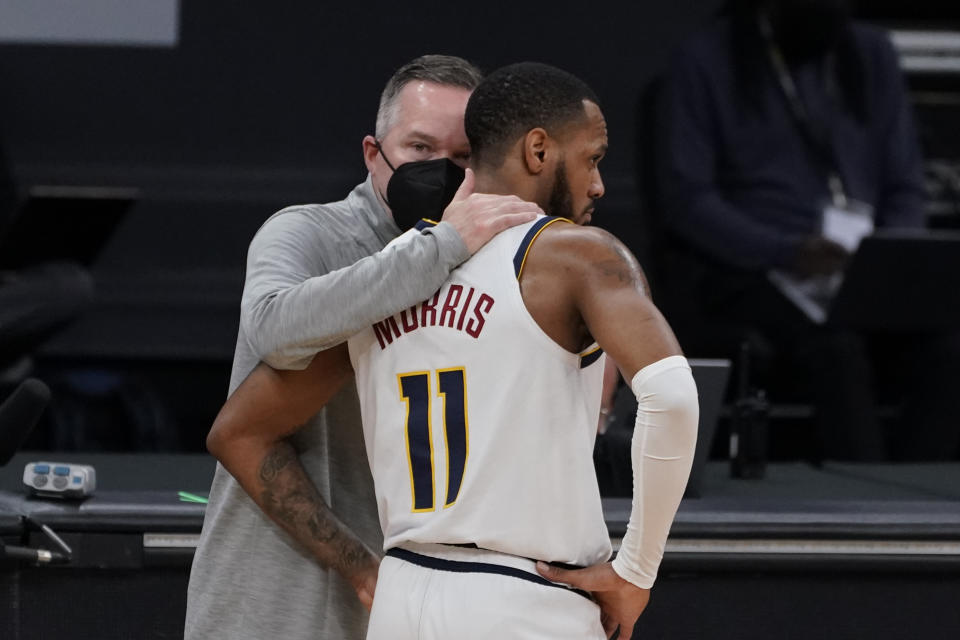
point(424, 224)
point(588, 359)
point(459, 566)
point(452, 386)
point(415, 389)
point(520, 257)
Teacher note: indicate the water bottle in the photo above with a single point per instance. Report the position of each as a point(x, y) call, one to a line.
point(748, 427)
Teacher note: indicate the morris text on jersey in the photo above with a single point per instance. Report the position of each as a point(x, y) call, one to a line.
point(456, 306)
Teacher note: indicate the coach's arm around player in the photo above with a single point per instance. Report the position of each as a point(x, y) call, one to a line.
point(599, 279)
point(288, 315)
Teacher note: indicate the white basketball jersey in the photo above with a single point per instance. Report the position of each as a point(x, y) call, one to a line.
point(479, 427)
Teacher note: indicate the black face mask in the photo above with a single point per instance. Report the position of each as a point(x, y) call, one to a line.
point(423, 189)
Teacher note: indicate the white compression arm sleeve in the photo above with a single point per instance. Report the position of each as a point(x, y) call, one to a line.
point(664, 440)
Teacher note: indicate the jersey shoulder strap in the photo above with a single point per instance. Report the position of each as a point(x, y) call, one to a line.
point(520, 257)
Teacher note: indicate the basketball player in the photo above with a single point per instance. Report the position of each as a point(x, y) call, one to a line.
point(480, 404)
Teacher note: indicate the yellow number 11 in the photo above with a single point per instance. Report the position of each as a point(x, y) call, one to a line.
point(415, 391)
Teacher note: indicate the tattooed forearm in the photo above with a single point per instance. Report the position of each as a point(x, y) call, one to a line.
point(274, 462)
point(289, 497)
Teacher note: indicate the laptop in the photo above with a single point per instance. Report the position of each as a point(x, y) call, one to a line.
point(72, 223)
point(711, 376)
point(901, 280)
point(898, 280)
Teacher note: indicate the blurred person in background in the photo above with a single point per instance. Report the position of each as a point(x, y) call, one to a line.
point(776, 113)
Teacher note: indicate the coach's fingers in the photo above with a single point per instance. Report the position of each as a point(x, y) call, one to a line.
point(466, 187)
point(507, 220)
point(494, 211)
point(366, 599)
point(479, 217)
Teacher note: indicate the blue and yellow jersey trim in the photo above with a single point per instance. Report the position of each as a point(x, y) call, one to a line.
point(425, 223)
point(590, 356)
point(520, 258)
point(593, 353)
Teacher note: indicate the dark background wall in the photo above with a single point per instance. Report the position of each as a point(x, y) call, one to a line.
point(260, 106)
point(296, 85)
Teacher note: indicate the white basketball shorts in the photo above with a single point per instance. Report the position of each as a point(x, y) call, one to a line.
point(439, 592)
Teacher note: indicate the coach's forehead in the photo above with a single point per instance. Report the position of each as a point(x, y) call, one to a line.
point(432, 107)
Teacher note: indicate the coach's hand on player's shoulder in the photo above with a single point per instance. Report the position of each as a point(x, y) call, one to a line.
point(621, 602)
point(363, 577)
point(477, 217)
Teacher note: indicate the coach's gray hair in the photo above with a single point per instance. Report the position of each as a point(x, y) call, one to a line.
point(449, 71)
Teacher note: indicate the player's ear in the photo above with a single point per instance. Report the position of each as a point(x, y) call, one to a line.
point(536, 148)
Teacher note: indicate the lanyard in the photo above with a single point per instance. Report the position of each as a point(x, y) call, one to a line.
point(820, 143)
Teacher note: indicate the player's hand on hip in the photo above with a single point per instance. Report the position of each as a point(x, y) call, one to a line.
point(621, 602)
point(477, 217)
point(363, 577)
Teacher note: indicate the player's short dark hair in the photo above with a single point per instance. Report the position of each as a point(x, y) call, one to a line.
point(517, 98)
point(449, 71)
